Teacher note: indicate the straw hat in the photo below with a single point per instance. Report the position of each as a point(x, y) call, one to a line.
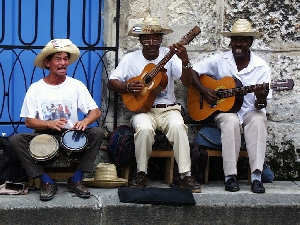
point(149, 25)
point(105, 177)
point(242, 27)
point(54, 46)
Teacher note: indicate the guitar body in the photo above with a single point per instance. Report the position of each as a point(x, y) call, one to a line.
point(200, 110)
point(143, 101)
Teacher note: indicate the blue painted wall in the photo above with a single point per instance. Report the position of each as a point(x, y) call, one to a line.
point(26, 26)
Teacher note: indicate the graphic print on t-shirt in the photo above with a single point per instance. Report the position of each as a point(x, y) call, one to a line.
point(54, 111)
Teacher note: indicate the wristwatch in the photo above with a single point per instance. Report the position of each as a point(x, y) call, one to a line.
point(189, 65)
point(261, 104)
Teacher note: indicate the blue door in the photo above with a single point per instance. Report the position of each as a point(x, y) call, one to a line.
point(26, 27)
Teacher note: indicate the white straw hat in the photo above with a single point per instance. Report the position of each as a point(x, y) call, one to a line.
point(105, 177)
point(242, 27)
point(149, 25)
point(55, 46)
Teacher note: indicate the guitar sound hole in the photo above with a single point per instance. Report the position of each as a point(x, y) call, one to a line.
point(219, 94)
point(148, 80)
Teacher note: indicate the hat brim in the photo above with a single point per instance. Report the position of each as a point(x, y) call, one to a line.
point(247, 34)
point(105, 183)
point(137, 33)
point(49, 50)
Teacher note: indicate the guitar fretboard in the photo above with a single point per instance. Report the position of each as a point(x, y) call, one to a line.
point(159, 66)
point(184, 40)
point(225, 93)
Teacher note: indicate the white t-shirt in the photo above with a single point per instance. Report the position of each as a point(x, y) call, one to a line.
point(51, 102)
point(221, 65)
point(133, 63)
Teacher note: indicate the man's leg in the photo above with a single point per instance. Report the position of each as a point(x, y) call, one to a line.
point(255, 132)
point(229, 125)
point(95, 136)
point(144, 126)
point(172, 125)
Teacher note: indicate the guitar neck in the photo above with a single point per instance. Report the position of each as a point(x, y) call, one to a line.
point(226, 93)
point(160, 65)
point(185, 40)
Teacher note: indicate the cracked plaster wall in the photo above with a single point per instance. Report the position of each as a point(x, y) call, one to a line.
point(279, 21)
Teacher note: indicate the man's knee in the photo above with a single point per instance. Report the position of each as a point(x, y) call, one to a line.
point(97, 132)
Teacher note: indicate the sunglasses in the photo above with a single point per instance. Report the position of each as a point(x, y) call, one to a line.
point(151, 41)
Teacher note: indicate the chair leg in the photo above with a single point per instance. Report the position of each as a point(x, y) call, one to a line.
point(249, 175)
point(169, 170)
point(207, 171)
point(125, 172)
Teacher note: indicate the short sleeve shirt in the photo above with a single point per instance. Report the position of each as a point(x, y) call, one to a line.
point(221, 65)
point(133, 64)
point(51, 102)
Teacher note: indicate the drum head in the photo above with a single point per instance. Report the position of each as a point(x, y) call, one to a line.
point(43, 147)
point(74, 140)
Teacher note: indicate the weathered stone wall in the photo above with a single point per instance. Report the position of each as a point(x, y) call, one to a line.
point(279, 21)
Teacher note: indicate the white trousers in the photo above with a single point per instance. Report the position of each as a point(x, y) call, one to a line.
point(254, 128)
point(170, 122)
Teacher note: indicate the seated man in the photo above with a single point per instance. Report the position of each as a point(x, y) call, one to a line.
point(240, 63)
point(165, 114)
point(63, 96)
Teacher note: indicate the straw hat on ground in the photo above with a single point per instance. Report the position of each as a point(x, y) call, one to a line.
point(55, 46)
point(242, 27)
point(149, 25)
point(105, 177)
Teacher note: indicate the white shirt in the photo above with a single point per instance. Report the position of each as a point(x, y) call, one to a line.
point(221, 65)
point(133, 63)
point(51, 102)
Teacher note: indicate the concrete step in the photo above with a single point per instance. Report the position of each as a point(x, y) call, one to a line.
point(279, 205)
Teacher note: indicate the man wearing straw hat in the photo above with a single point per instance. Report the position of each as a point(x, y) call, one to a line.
point(243, 64)
point(58, 92)
point(165, 114)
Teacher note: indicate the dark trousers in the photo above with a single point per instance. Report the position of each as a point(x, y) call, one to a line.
point(20, 145)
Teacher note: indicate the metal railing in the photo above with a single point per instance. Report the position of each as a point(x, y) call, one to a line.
point(18, 50)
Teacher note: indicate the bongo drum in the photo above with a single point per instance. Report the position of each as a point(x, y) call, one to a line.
point(74, 143)
point(44, 149)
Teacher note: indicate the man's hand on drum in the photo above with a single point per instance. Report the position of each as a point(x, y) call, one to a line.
point(80, 125)
point(58, 124)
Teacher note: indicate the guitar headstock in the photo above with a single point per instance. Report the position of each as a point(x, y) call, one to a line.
point(190, 35)
point(283, 85)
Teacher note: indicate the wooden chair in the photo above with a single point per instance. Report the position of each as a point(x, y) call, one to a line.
point(162, 149)
point(169, 164)
point(218, 153)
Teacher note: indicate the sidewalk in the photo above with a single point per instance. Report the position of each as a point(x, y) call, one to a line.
point(279, 205)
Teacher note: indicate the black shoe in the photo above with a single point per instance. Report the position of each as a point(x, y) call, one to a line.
point(231, 185)
point(78, 188)
point(190, 183)
point(48, 191)
point(140, 179)
point(257, 187)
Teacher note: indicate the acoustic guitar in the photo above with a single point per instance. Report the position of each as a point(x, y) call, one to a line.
point(154, 80)
point(230, 94)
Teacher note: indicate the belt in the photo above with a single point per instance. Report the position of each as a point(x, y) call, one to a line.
point(162, 105)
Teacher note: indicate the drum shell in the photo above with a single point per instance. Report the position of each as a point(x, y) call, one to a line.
point(44, 149)
point(74, 144)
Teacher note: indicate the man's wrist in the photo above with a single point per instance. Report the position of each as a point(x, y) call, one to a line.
point(261, 104)
point(127, 87)
point(187, 66)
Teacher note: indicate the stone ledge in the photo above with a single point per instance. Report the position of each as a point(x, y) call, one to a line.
point(279, 205)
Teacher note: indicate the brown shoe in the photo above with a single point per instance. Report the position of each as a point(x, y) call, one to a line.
point(140, 179)
point(48, 191)
point(189, 182)
point(78, 188)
